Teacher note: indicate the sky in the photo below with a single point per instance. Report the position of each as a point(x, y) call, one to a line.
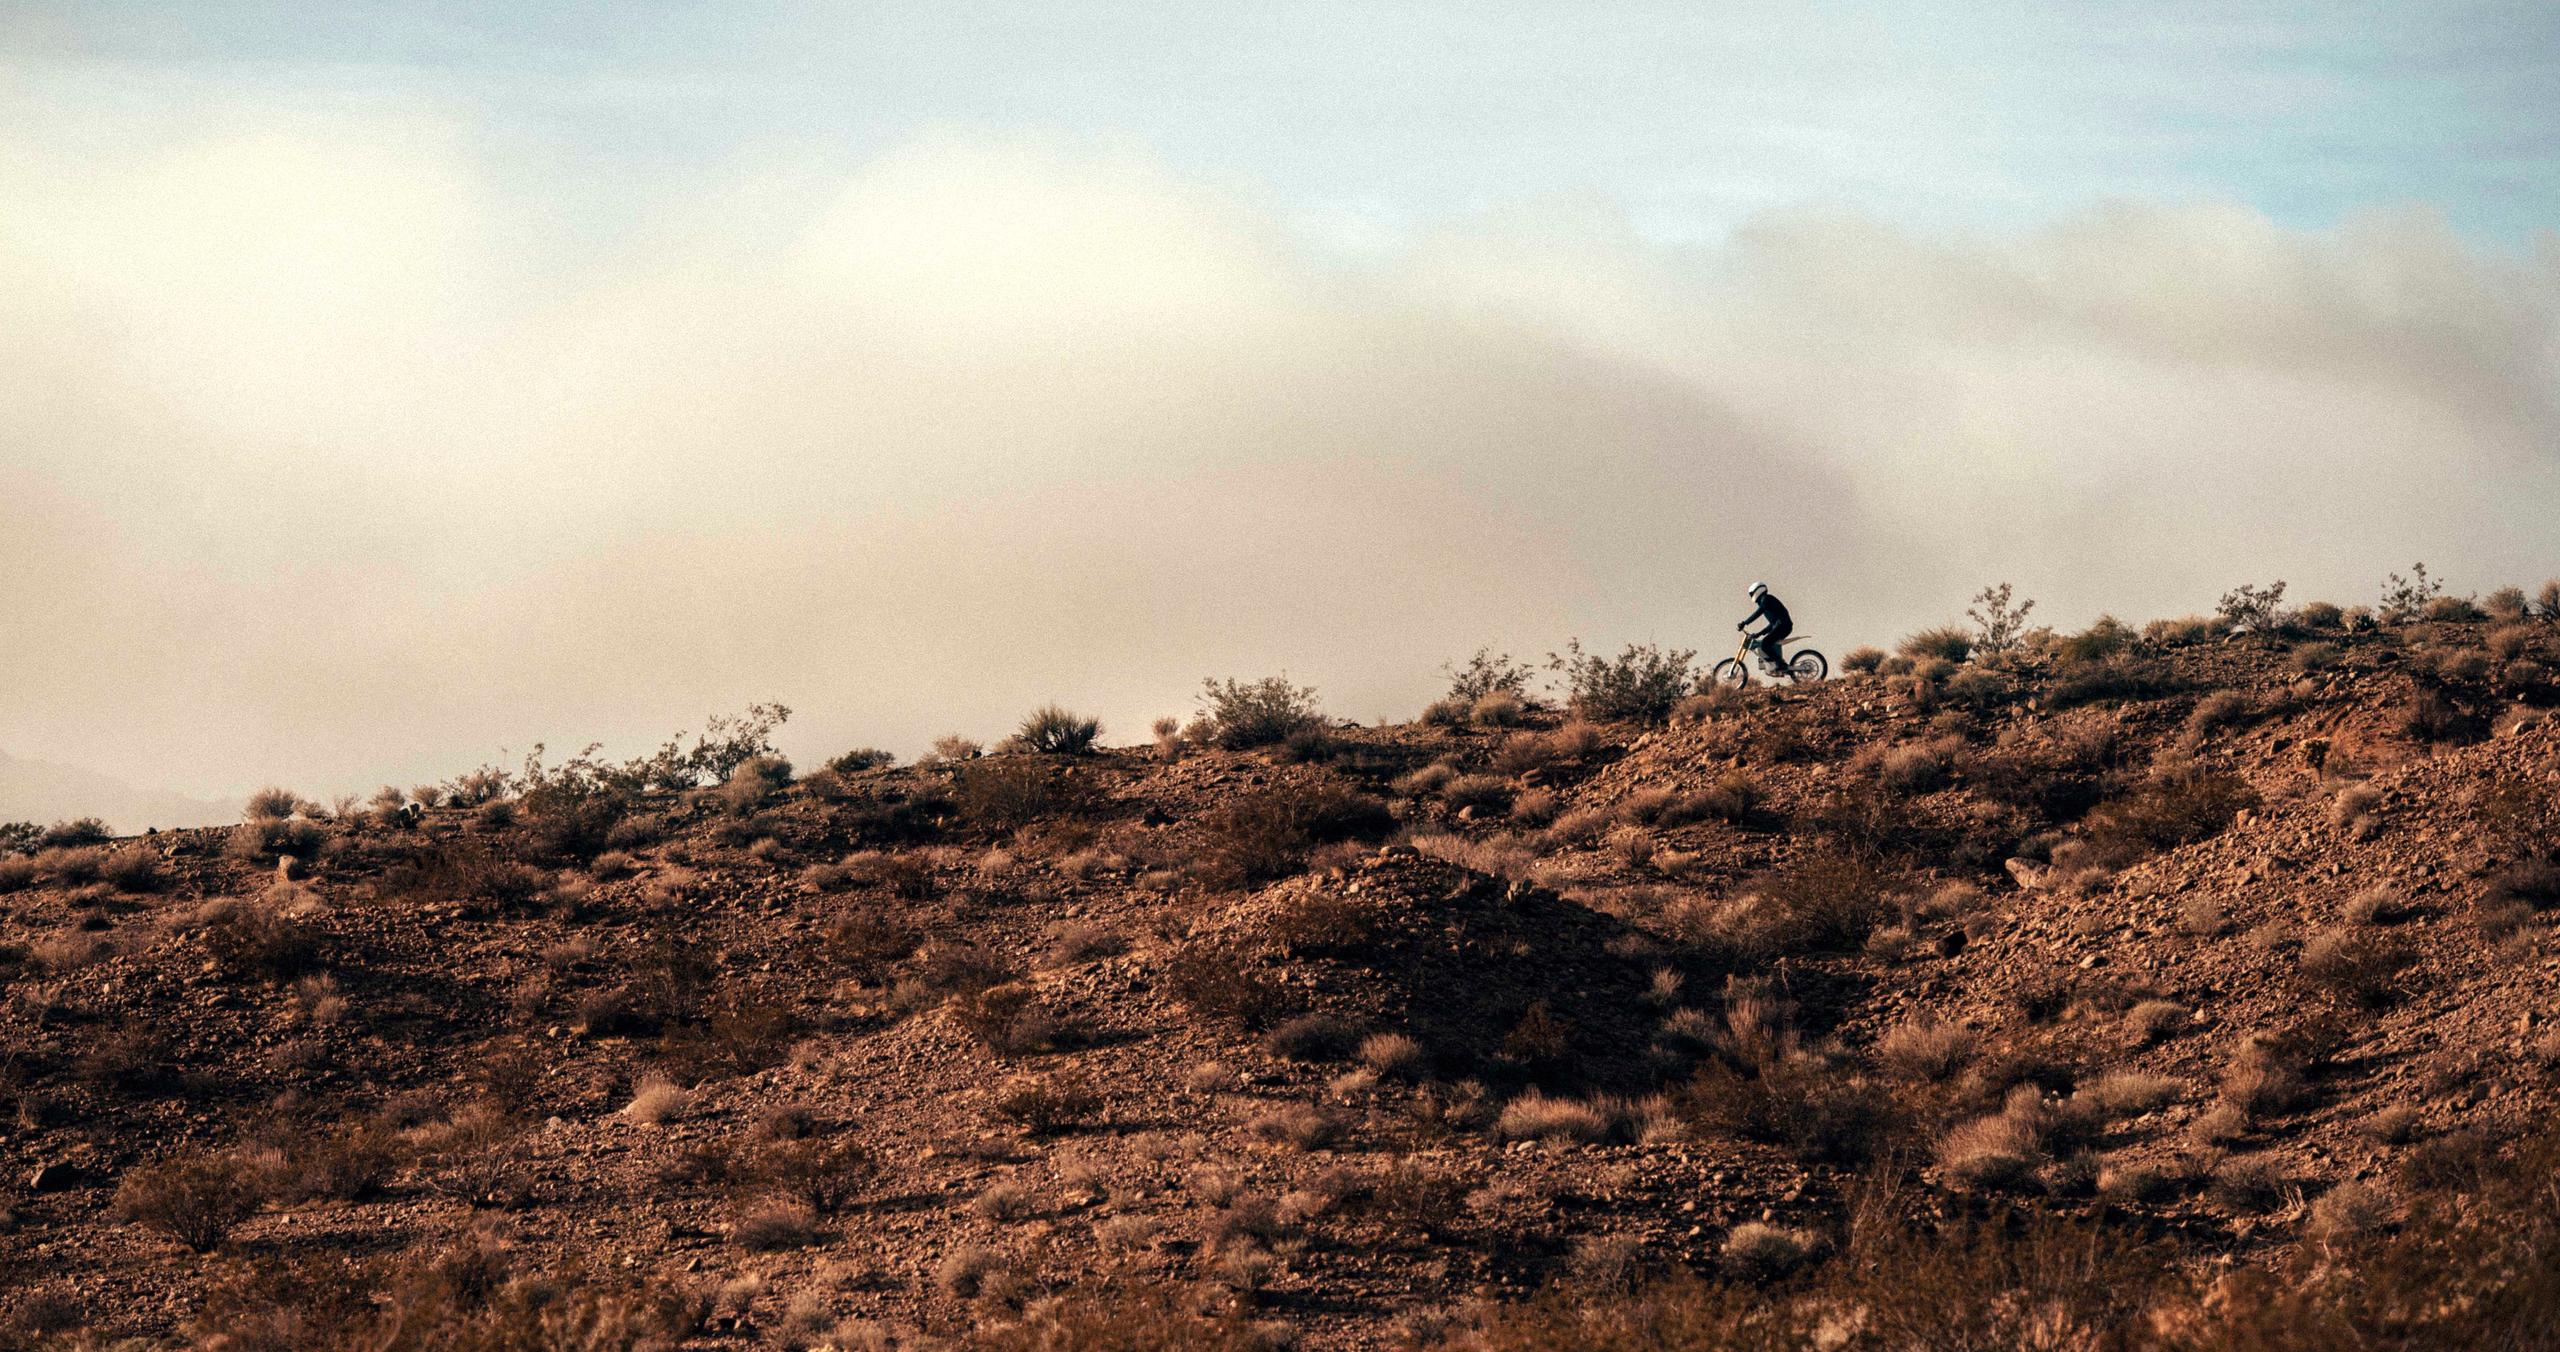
point(397, 386)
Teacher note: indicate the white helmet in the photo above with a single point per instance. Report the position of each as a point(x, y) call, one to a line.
point(1758, 590)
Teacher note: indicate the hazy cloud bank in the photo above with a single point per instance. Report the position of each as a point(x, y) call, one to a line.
point(321, 462)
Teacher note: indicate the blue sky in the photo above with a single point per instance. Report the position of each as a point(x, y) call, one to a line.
point(1361, 118)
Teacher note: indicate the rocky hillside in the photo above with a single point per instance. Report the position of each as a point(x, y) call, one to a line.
point(2219, 954)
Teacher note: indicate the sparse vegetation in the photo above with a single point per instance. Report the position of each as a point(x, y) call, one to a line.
point(1053, 731)
point(1642, 683)
point(1382, 1009)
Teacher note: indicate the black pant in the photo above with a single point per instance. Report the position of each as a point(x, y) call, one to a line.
point(1768, 642)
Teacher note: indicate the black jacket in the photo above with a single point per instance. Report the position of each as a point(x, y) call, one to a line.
point(1773, 610)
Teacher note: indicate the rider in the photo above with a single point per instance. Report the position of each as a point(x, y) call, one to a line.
point(1769, 608)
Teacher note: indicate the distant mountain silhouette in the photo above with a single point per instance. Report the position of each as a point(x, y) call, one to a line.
point(38, 791)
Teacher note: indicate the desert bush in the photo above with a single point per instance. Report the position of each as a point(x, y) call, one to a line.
point(273, 803)
point(69, 835)
point(1500, 709)
point(2318, 615)
point(1269, 834)
point(1924, 1048)
point(2117, 678)
point(1824, 902)
point(1863, 659)
point(1393, 1056)
point(1945, 643)
point(2219, 710)
point(1996, 1153)
point(1641, 683)
point(1323, 923)
point(196, 1199)
point(1535, 1116)
point(1006, 793)
point(264, 838)
point(1312, 1037)
point(657, 1101)
point(1051, 730)
point(1999, 626)
point(2378, 905)
point(861, 758)
point(264, 938)
point(1532, 810)
point(2357, 965)
point(1732, 798)
point(1239, 715)
point(1818, 1110)
point(2167, 811)
point(2248, 1183)
point(1220, 983)
point(1487, 673)
point(768, 1224)
point(2431, 717)
point(2251, 608)
point(1919, 767)
point(2405, 598)
point(2151, 1020)
point(1007, 1017)
point(1484, 793)
point(2451, 610)
point(1045, 1105)
point(2347, 1211)
point(467, 875)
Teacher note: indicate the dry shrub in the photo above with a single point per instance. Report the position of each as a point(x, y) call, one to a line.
point(1925, 1049)
point(2431, 717)
point(1312, 1037)
point(1270, 834)
point(1484, 793)
point(1237, 715)
point(1087, 941)
point(1945, 643)
point(464, 1297)
point(1301, 1126)
point(1999, 1152)
point(658, 1100)
point(2347, 1211)
point(1863, 659)
point(2168, 811)
point(1221, 983)
point(1323, 923)
point(1046, 1105)
point(1823, 903)
point(1498, 709)
point(2248, 1183)
point(2263, 1079)
point(1007, 793)
point(2356, 965)
point(1756, 1251)
point(1530, 810)
point(2219, 710)
point(2378, 905)
point(1732, 798)
point(1819, 1110)
point(2151, 1020)
point(1919, 767)
point(195, 1199)
point(1007, 1017)
point(768, 1224)
point(1535, 1116)
point(1641, 683)
point(1392, 1056)
point(1054, 731)
point(2129, 1093)
point(269, 938)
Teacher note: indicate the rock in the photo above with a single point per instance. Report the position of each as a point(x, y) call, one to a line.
point(289, 869)
point(1398, 851)
point(2028, 873)
point(53, 1176)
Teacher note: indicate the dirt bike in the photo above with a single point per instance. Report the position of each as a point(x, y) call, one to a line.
point(1804, 665)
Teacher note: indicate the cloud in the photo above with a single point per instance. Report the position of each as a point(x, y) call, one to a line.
point(329, 469)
